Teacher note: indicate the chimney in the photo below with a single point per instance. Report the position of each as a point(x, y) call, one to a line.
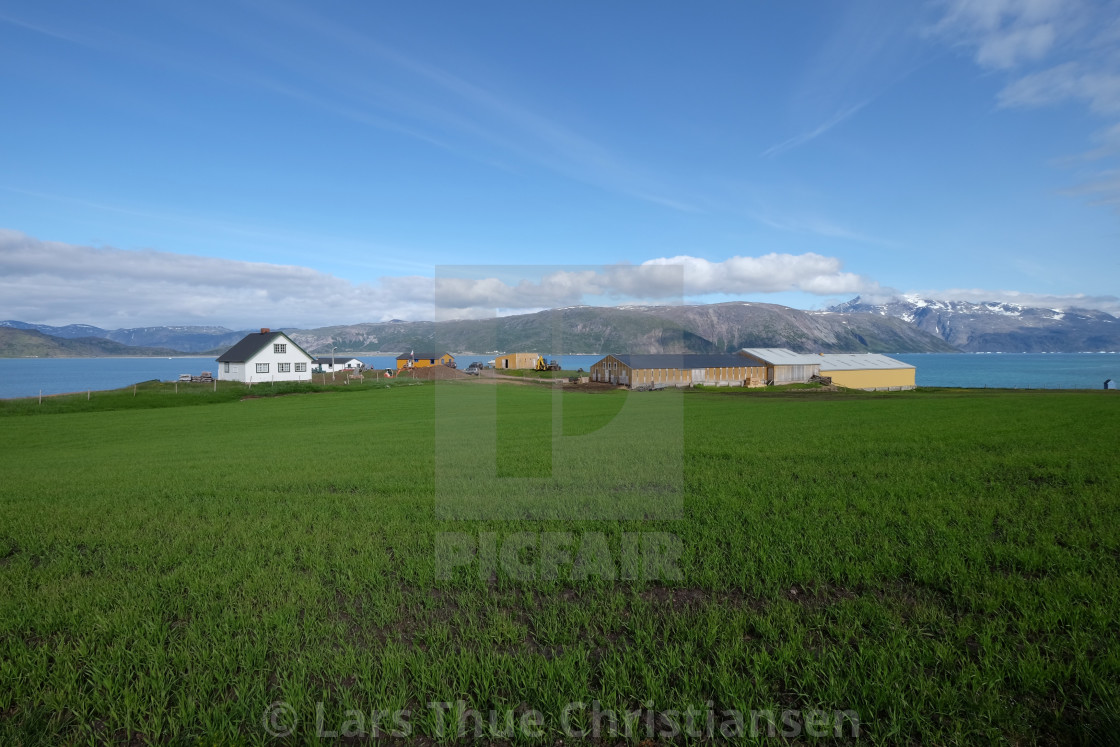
point(265, 330)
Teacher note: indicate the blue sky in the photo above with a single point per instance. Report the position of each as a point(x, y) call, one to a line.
point(272, 163)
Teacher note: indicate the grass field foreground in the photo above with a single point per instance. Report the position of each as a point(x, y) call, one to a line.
point(944, 564)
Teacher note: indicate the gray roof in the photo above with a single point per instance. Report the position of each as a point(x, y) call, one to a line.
point(858, 361)
point(252, 344)
point(827, 361)
point(680, 361)
point(781, 356)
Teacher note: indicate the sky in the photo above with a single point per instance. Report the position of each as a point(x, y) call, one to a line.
point(303, 164)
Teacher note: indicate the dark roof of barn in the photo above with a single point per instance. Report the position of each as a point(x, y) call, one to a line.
point(252, 344)
point(670, 360)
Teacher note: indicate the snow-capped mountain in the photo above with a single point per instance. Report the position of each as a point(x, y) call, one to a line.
point(995, 326)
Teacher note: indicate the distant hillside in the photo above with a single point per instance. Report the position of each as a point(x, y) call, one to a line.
point(998, 327)
point(189, 339)
point(30, 343)
point(714, 328)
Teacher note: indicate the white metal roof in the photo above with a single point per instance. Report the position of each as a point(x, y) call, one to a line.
point(827, 361)
point(858, 361)
point(782, 356)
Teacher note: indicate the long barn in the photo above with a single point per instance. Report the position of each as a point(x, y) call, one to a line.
point(669, 370)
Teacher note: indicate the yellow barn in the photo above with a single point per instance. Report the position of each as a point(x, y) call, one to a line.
point(517, 360)
point(853, 370)
point(423, 360)
point(867, 371)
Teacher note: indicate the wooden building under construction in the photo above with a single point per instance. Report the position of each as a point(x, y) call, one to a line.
point(517, 361)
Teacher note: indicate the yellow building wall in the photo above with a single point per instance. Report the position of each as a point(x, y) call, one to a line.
point(516, 360)
point(423, 362)
point(876, 378)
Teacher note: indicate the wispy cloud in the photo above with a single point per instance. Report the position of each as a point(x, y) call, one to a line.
point(278, 240)
point(409, 96)
point(817, 226)
point(1006, 33)
point(1054, 52)
point(793, 142)
point(1102, 189)
point(433, 104)
point(870, 49)
point(44, 30)
point(1070, 81)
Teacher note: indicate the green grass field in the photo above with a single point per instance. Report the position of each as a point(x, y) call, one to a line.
point(943, 564)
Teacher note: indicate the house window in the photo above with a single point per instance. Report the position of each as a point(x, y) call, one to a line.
point(227, 367)
point(262, 368)
point(280, 348)
point(283, 368)
point(301, 368)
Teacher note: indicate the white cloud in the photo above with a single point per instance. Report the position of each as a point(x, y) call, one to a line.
point(770, 273)
point(53, 282)
point(57, 283)
point(660, 280)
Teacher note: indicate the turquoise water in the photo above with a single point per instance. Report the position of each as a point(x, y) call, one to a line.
point(25, 377)
point(1015, 370)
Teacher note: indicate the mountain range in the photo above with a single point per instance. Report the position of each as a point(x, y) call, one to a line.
point(996, 327)
point(906, 324)
point(31, 343)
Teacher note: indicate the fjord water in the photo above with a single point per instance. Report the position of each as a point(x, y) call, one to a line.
point(25, 377)
point(1014, 370)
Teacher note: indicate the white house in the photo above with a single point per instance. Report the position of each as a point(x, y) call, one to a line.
point(330, 364)
point(265, 356)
